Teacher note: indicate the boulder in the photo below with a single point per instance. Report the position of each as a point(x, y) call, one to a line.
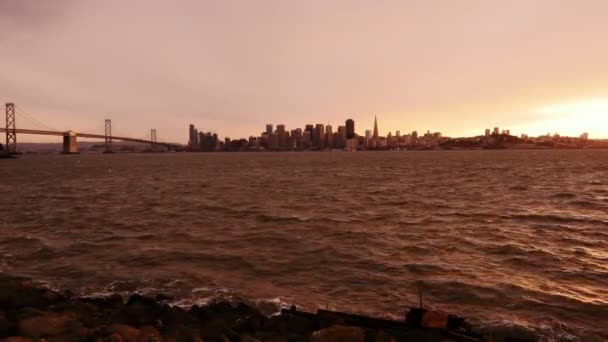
point(149, 334)
point(17, 339)
point(128, 333)
point(180, 332)
point(7, 327)
point(17, 293)
point(48, 324)
point(138, 311)
point(339, 333)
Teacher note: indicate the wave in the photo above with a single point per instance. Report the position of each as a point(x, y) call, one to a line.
point(280, 218)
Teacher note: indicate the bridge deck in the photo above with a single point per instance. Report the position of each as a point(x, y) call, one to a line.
point(86, 135)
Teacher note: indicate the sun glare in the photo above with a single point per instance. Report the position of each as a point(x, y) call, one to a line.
point(575, 118)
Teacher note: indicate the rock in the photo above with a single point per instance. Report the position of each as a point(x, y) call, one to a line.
point(161, 297)
point(381, 336)
point(297, 324)
point(17, 339)
point(149, 334)
point(7, 327)
point(138, 311)
point(115, 337)
point(20, 293)
point(253, 323)
point(179, 332)
point(47, 324)
point(111, 302)
point(128, 333)
point(339, 333)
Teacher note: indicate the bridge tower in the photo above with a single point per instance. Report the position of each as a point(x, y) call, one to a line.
point(108, 136)
point(153, 139)
point(11, 129)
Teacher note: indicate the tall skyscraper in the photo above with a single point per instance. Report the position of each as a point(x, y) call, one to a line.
point(274, 141)
point(350, 129)
point(282, 136)
point(296, 138)
point(196, 143)
point(306, 139)
point(329, 136)
point(340, 137)
point(375, 128)
point(269, 129)
point(318, 136)
point(191, 138)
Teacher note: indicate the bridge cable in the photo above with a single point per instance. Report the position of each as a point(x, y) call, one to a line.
point(32, 119)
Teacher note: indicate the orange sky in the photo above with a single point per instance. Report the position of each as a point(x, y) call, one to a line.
point(232, 66)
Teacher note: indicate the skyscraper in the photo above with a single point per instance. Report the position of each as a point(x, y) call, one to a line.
point(329, 136)
point(282, 136)
point(296, 138)
point(375, 128)
point(196, 142)
point(274, 141)
point(350, 129)
point(191, 138)
point(269, 129)
point(318, 137)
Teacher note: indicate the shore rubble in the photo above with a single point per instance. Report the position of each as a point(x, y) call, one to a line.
point(32, 313)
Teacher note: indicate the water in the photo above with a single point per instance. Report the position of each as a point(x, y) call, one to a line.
point(515, 240)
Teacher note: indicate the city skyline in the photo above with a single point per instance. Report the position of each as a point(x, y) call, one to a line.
point(454, 68)
point(323, 137)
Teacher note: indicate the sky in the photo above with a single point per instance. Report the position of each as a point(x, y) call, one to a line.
point(232, 66)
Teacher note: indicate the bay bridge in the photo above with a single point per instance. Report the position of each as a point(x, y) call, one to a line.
point(70, 143)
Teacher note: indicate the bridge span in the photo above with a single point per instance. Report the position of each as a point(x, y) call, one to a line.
point(70, 144)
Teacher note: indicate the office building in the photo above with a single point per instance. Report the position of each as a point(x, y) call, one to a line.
point(350, 129)
point(282, 136)
point(274, 141)
point(318, 137)
point(329, 137)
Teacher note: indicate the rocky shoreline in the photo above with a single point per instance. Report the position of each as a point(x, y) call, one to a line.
point(32, 313)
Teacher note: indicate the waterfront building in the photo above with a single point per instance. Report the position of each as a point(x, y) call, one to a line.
point(488, 132)
point(311, 129)
point(296, 138)
point(265, 140)
point(306, 140)
point(196, 142)
point(282, 136)
point(368, 138)
point(199, 140)
point(350, 129)
point(352, 144)
point(191, 136)
point(496, 131)
point(269, 129)
point(398, 134)
point(329, 137)
point(274, 141)
point(318, 137)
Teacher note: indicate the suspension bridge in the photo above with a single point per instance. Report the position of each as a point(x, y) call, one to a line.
point(70, 143)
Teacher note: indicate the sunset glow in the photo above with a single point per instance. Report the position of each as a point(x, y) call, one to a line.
point(575, 118)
